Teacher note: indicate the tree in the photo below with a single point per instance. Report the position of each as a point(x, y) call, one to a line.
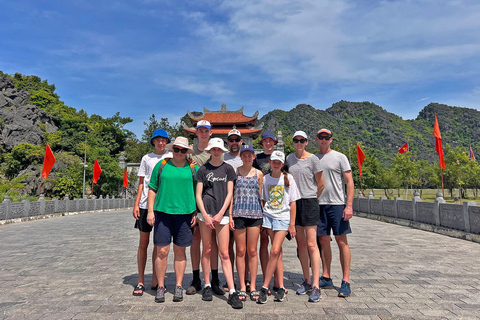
point(405, 169)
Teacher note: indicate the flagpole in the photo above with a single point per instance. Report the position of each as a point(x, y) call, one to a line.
point(361, 186)
point(40, 189)
point(443, 190)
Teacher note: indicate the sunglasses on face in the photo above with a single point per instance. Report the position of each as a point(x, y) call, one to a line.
point(323, 137)
point(235, 140)
point(175, 149)
point(299, 140)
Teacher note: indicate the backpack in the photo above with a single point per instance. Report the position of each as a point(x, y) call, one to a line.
point(164, 161)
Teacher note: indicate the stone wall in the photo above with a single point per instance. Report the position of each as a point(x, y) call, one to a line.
point(30, 209)
point(464, 217)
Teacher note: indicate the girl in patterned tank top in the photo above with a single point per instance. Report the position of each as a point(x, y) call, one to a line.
point(246, 217)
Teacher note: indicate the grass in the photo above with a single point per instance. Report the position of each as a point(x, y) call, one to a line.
point(428, 195)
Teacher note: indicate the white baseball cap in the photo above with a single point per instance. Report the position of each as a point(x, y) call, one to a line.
point(278, 155)
point(204, 123)
point(301, 134)
point(234, 132)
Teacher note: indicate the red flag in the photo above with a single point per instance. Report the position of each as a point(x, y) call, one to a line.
point(96, 171)
point(125, 178)
point(403, 149)
point(48, 162)
point(438, 142)
point(361, 157)
point(471, 156)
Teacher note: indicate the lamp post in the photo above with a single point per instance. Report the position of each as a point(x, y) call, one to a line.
point(84, 164)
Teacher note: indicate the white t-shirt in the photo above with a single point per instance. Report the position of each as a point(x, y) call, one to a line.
point(334, 164)
point(277, 197)
point(146, 167)
point(234, 161)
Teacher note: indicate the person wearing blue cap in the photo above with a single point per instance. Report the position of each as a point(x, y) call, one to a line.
point(140, 209)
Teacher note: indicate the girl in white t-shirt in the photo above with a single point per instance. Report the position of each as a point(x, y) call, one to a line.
point(279, 209)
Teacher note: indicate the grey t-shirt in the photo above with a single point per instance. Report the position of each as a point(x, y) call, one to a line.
point(304, 170)
point(201, 157)
point(334, 164)
point(234, 161)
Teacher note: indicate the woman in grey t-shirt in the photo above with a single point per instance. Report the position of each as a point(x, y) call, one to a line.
point(306, 170)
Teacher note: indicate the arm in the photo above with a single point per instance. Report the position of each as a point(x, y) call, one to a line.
point(260, 182)
point(151, 201)
point(293, 215)
point(136, 209)
point(348, 212)
point(228, 200)
point(201, 206)
point(320, 183)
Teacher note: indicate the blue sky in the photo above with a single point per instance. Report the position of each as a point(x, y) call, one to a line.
point(165, 57)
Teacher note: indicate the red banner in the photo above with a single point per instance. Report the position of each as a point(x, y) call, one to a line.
point(438, 143)
point(125, 178)
point(96, 171)
point(403, 149)
point(48, 162)
point(361, 157)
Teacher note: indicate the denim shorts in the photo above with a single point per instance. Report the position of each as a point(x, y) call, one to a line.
point(142, 224)
point(331, 219)
point(274, 224)
point(172, 225)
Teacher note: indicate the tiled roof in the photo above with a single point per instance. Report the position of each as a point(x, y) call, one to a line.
point(222, 131)
point(231, 118)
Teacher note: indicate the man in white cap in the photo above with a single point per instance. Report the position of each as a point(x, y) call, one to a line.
point(336, 209)
point(234, 142)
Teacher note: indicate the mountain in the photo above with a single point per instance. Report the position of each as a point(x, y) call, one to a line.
point(381, 132)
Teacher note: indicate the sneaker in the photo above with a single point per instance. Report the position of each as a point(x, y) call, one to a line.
point(160, 297)
point(305, 288)
point(207, 294)
point(315, 295)
point(280, 294)
point(263, 296)
point(178, 294)
point(195, 286)
point(325, 283)
point(234, 301)
point(344, 289)
point(216, 288)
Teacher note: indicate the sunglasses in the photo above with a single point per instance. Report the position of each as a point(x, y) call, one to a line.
point(299, 140)
point(175, 149)
point(323, 137)
point(235, 140)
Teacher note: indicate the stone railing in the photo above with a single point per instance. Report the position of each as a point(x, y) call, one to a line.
point(30, 209)
point(464, 217)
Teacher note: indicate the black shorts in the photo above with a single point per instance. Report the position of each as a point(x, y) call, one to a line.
point(142, 224)
point(308, 212)
point(243, 223)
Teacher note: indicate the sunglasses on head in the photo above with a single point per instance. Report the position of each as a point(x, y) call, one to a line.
point(175, 149)
point(234, 140)
point(299, 140)
point(323, 137)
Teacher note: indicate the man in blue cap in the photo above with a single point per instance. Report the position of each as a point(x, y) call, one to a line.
point(140, 209)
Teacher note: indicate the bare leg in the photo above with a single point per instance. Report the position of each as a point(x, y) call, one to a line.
point(142, 256)
point(326, 255)
point(161, 264)
point(240, 249)
point(303, 252)
point(345, 255)
point(206, 234)
point(277, 241)
point(195, 249)
point(312, 246)
point(223, 237)
point(179, 264)
point(264, 250)
point(252, 243)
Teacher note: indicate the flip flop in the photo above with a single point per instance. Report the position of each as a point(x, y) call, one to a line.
point(140, 288)
point(254, 295)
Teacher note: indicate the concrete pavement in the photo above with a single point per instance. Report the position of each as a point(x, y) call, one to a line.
point(84, 267)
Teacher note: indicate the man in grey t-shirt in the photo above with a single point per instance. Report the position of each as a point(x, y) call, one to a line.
point(335, 210)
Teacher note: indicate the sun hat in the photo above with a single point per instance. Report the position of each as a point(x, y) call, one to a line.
point(247, 147)
point(278, 155)
point(159, 133)
point(180, 142)
point(216, 143)
point(268, 134)
point(324, 131)
point(301, 134)
point(234, 132)
point(204, 123)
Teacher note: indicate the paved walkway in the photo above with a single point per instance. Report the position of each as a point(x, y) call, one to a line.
point(84, 267)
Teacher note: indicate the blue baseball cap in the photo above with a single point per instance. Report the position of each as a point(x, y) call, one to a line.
point(159, 133)
point(247, 147)
point(268, 134)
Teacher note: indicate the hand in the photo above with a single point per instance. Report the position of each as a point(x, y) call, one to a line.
point(136, 212)
point(191, 161)
point(193, 222)
point(209, 222)
point(151, 218)
point(347, 213)
point(231, 224)
point(217, 218)
point(292, 231)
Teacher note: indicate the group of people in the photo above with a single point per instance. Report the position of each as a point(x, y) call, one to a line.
point(215, 198)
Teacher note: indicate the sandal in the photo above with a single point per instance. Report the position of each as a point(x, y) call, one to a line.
point(254, 295)
point(242, 296)
point(138, 291)
point(155, 288)
point(247, 285)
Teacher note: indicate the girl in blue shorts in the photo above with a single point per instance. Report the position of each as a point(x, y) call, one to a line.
point(279, 195)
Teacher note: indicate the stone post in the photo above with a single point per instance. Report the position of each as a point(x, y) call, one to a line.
point(41, 199)
point(396, 206)
point(8, 206)
point(466, 217)
point(25, 209)
point(436, 210)
point(416, 198)
point(370, 196)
